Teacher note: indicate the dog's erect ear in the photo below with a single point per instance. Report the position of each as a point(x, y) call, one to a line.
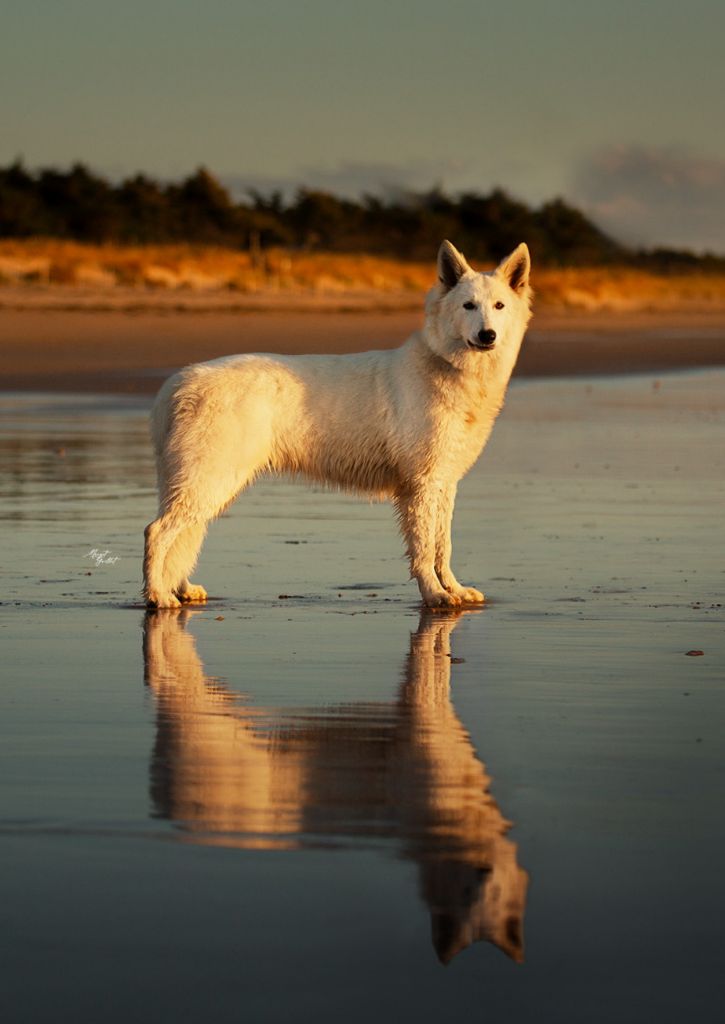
point(515, 269)
point(451, 265)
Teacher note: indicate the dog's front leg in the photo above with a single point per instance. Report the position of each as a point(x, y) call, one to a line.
point(417, 511)
point(443, 549)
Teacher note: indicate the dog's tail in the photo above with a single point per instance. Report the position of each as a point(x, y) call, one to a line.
point(175, 408)
point(161, 413)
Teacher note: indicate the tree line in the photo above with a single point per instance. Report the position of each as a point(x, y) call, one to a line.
point(81, 205)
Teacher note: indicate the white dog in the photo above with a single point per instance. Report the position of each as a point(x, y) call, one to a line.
point(404, 424)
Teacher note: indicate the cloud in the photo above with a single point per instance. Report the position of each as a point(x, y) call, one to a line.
point(655, 196)
point(354, 178)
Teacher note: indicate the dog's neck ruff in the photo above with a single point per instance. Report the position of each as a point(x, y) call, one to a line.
point(438, 363)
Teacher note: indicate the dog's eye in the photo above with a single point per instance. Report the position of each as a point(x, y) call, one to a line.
point(469, 305)
point(498, 305)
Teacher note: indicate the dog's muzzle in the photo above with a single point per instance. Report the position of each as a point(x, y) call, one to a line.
point(484, 341)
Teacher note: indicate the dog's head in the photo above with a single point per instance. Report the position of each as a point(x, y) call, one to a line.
point(470, 314)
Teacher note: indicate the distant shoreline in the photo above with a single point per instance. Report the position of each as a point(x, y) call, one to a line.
point(140, 300)
point(47, 274)
point(125, 300)
point(94, 350)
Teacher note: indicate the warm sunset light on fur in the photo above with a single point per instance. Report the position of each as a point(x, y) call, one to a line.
point(403, 425)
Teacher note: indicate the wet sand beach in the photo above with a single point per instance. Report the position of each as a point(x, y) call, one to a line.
point(122, 351)
point(310, 799)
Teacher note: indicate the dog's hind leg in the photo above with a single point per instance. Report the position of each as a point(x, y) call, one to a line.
point(188, 502)
point(180, 560)
point(417, 514)
point(194, 495)
point(160, 537)
point(204, 461)
point(443, 548)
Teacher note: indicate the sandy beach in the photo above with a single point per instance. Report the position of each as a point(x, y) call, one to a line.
point(121, 351)
point(311, 779)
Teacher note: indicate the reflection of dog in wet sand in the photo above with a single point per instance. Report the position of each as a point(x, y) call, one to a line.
point(234, 774)
point(405, 425)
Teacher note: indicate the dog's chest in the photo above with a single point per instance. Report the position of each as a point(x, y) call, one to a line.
point(464, 425)
point(476, 416)
point(472, 430)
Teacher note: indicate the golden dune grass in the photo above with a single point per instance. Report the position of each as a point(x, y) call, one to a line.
point(75, 267)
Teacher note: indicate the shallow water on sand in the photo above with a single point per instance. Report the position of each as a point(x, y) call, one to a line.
point(302, 800)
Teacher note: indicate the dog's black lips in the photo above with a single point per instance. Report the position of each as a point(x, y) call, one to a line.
point(480, 346)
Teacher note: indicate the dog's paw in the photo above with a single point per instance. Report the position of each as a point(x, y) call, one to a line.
point(157, 599)
point(442, 599)
point(469, 595)
point(192, 592)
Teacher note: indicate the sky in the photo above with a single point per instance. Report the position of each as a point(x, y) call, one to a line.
point(616, 106)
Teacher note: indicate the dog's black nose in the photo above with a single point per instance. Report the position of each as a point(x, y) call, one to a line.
point(487, 337)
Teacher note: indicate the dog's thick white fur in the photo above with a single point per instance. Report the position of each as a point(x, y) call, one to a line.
point(404, 424)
